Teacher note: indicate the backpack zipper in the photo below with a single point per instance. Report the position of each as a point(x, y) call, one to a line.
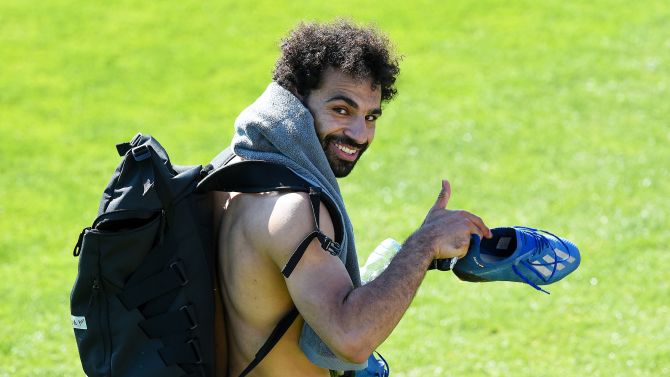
point(101, 301)
point(77, 247)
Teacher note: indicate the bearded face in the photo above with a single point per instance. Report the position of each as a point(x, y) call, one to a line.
point(345, 110)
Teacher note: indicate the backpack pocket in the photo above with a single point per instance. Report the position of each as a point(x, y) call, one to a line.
point(125, 239)
point(110, 251)
point(88, 308)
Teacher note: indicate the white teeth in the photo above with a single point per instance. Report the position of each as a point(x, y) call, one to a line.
point(345, 149)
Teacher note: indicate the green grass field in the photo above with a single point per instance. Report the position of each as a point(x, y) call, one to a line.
point(552, 114)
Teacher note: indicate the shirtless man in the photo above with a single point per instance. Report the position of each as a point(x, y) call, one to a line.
point(260, 231)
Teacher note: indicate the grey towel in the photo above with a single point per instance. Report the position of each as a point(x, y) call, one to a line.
point(279, 128)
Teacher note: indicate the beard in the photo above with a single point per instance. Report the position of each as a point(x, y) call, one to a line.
point(341, 168)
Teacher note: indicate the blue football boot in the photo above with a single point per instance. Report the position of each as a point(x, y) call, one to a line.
point(520, 254)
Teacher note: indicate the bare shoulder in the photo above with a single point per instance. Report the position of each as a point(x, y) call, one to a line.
point(276, 223)
point(292, 219)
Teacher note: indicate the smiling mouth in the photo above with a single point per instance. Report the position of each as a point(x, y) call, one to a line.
point(346, 152)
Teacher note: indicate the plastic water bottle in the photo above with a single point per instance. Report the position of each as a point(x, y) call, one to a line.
point(379, 259)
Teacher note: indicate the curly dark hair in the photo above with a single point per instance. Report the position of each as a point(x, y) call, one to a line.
point(311, 48)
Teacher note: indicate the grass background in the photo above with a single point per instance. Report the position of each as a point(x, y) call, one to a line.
point(551, 114)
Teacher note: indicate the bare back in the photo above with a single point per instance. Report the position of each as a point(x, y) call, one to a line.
point(254, 291)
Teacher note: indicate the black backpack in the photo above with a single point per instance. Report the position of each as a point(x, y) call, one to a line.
point(145, 299)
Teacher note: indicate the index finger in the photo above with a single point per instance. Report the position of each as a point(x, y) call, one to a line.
point(479, 223)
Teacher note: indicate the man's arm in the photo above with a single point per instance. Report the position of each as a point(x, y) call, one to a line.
point(354, 322)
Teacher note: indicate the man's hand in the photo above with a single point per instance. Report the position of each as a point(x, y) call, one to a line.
point(447, 232)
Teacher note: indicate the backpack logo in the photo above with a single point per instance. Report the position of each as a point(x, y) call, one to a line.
point(79, 322)
point(147, 186)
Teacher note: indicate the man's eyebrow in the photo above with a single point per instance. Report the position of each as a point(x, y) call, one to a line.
point(339, 97)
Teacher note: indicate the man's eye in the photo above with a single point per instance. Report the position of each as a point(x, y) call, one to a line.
point(371, 118)
point(340, 110)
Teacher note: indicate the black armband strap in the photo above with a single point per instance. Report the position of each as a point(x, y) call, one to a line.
point(326, 243)
point(297, 254)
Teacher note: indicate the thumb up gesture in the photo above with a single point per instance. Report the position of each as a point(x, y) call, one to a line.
point(447, 232)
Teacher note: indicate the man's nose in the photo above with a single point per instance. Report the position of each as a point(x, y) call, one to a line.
point(359, 130)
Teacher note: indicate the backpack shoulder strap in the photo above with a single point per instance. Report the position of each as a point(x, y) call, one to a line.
point(261, 176)
point(254, 176)
point(222, 159)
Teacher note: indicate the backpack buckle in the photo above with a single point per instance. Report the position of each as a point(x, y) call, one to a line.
point(178, 268)
point(329, 245)
point(190, 316)
point(196, 350)
point(141, 153)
